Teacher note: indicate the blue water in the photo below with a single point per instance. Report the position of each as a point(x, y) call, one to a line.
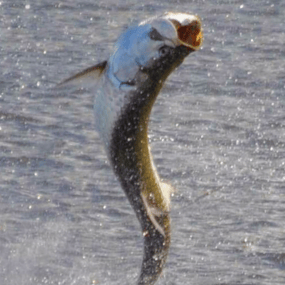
point(217, 134)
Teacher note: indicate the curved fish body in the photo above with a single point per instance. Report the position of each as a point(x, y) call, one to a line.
point(126, 88)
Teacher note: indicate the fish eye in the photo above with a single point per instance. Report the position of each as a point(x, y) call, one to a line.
point(165, 50)
point(155, 35)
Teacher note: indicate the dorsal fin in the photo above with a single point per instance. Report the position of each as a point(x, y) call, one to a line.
point(86, 76)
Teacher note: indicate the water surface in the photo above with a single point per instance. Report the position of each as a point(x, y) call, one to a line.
point(217, 133)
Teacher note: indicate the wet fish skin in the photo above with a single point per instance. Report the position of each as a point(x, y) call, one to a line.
point(126, 87)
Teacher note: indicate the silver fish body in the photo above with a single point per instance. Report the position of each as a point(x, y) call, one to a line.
point(126, 88)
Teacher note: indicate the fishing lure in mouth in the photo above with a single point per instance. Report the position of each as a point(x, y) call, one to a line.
point(126, 87)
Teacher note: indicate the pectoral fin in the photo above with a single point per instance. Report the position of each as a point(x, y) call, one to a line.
point(85, 77)
point(152, 212)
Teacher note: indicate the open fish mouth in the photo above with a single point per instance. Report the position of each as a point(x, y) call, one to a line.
point(189, 29)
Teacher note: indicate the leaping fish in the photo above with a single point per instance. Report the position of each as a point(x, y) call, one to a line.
point(126, 86)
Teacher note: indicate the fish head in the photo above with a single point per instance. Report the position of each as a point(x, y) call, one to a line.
point(142, 59)
point(154, 48)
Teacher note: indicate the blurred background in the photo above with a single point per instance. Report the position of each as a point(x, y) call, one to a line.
point(217, 134)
